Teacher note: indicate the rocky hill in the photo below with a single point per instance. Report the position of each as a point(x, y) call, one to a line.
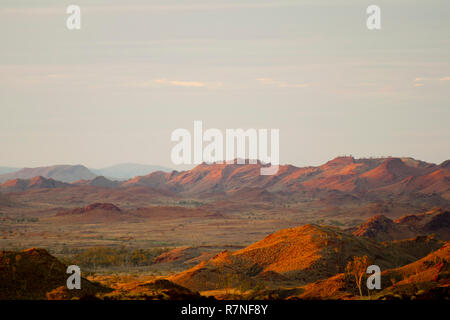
point(304, 254)
point(18, 185)
point(96, 213)
point(381, 228)
point(35, 274)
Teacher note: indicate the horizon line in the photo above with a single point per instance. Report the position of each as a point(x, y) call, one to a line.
point(220, 162)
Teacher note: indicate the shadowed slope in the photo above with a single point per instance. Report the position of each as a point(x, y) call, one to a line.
point(35, 274)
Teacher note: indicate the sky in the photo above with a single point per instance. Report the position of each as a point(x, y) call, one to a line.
point(116, 89)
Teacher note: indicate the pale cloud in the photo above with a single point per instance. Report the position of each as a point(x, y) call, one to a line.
point(57, 76)
point(419, 81)
point(175, 83)
point(32, 11)
point(266, 81)
point(281, 84)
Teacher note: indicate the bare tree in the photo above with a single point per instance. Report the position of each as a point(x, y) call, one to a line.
point(357, 267)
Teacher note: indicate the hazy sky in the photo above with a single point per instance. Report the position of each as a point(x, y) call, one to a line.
point(115, 90)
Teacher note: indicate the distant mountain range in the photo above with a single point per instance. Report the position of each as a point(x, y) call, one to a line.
point(125, 171)
point(342, 175)
point(63, 173)
point(4, 170)
point(72, 173)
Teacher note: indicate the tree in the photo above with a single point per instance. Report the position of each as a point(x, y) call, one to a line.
point(357, 267)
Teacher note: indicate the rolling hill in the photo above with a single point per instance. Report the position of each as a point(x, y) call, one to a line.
point(39, 182)
point(35, 274)
point(99, 181)
point(96, 213)
point(304, 254)
point(381, 228)
point(63, 173)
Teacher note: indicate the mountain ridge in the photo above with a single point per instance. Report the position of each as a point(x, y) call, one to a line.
point(346, 174)
point(63, 173)
point(380, 176)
